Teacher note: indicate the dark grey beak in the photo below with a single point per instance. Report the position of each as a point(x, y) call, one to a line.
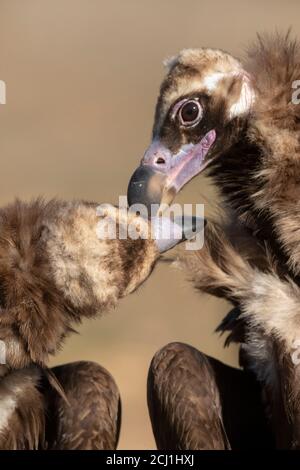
point(161, 174)
point(146, 186)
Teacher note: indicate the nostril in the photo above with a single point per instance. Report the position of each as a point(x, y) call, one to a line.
point(160, 161)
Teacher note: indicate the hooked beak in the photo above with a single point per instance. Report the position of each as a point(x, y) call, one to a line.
point(161, 174)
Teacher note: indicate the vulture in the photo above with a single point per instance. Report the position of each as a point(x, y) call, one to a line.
point(238, 120)
point(59, 264)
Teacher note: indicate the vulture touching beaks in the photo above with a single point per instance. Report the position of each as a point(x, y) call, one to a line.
point(239, 121)
point(61, 262)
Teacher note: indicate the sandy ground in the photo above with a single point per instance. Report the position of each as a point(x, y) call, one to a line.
point(82, 80)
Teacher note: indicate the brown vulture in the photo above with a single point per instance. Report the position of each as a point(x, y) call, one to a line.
point(60, 263)
point(239, 121)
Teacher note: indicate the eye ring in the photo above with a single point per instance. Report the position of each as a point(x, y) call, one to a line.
point(190, 113)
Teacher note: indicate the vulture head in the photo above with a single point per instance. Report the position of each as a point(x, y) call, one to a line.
point(202, 108)
point(240, 122)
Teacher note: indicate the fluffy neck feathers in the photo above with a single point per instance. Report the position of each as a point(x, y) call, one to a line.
point(259, 175)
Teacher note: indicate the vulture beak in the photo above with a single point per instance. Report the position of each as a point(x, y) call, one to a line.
point(162, 174)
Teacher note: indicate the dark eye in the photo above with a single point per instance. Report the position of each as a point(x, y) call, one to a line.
point(190, 113)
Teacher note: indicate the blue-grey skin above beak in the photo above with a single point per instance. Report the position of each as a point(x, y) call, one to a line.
point(161, 174)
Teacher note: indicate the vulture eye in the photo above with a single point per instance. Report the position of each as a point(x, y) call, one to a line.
point(190, 113)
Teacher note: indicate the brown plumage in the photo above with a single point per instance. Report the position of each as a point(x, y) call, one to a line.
point(197, 421)
point(55, 270)
point(259, 179)
point(22, 414)
point(198, 403)
point(35, 415)
point(92, 416)
point(252, 256)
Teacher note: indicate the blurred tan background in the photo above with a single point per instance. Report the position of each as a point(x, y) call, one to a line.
point(82, 80)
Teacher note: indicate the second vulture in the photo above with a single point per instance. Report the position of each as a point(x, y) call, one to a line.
point(61, 262)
